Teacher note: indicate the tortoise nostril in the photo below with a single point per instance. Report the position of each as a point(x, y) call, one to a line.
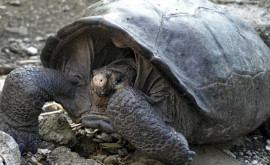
point(99, 80)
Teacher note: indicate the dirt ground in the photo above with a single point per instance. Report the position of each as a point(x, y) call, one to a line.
point(25, 24)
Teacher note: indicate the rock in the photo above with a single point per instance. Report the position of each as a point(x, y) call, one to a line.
point(31, 50)
point(66, 8)
point(267, 148)
point(1, 161)
point(26, 40)
point(105, 137)
point(268, 142)
point(99, 158)
point(14, 3)
point(84, 145)
point(112, 159)
point(39, 38)
point(45, 152)
point(123, 152)
point(249, 153)
point(57, 130)
point(254, 162)
point(17, 30)
point(9, 150)
point(3, 7)
point(64, 156)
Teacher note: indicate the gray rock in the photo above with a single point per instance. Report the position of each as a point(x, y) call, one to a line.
point(112, 159)
point(9, 150)
point(57, 130)
point(64, 156)
point(123, 152)
point(105, 137)
point(31, 50)
point(1, 161)
point(15, 3)
point(85, 146)
point(46, 145)
point(17, 30)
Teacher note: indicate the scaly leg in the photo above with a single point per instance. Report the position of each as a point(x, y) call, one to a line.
point(136, 120)
point(25, 92)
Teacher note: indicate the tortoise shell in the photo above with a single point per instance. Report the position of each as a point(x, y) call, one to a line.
point(215, 60)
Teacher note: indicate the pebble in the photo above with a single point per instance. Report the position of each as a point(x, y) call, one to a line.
point(66, 8)
point(249, 153)
point(44, 151)
point(254, 162)
point(241, 153)
point(15, 3)
point(39, 38)
point(105, 137)
point(267, 148)
point(123, 152)
point(56, 129)
point(26, 40)
point(17, 30)
point(268, 142)
point(31, 50)
point(1, 161)
point(9, 150)
point(99, 158)
point(3, 7)
point(111, 159)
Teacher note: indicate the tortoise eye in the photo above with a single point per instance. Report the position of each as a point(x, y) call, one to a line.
point(118, 80)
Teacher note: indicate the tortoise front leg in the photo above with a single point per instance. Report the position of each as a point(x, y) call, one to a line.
point(25, 92)
point(136, 120)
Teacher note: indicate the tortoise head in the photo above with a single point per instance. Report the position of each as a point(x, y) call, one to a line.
point(105, 82)
point(108, 79)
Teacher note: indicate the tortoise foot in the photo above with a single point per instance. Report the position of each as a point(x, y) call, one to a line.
point(137, 121)
point(26, 139)
point(24, 93)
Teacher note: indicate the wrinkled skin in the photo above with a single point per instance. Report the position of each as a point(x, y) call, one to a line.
point(27, 89)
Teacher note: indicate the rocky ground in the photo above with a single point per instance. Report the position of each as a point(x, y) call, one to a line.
point(24, 27)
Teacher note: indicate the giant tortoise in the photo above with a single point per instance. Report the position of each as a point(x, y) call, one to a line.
point(159, 73)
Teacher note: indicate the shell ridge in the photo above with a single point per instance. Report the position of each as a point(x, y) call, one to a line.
point(240, 33)
point(222, 51)
point(229, 77)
